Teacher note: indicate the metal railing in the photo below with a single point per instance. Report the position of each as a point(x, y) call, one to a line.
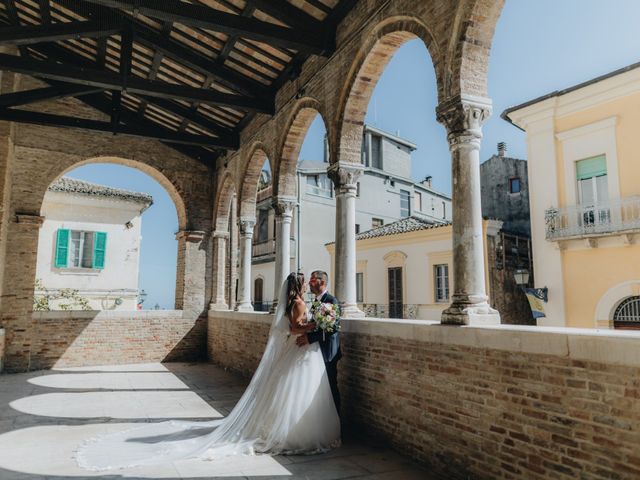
point(381, 310)
point(612, 216)
point(268, 247)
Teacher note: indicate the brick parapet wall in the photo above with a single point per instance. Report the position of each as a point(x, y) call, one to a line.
point(490, 402)
point(79, 338)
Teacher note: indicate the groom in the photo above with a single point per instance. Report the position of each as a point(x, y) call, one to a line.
point(330, 344)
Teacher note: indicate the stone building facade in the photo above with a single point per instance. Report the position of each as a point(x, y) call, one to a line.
point(90, 241)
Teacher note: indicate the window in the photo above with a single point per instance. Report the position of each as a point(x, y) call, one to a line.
point(312, 180)
point(376, 222)
point(376, 152)
point(441, 277)
point(514, 185)
point(593, 189)
point(80, 249)
point(417, 202)
point(357, 189)
point(357, 228)
point(627, 315)
point(262, 231)
point(405, 207)
point(359, 287)
point(444, 210)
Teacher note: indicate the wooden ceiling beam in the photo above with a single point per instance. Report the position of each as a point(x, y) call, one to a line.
point(311, 42)
point(175, 50)
point(48, 119)
point(46, 93)
point(27, 35)
point(112, 81)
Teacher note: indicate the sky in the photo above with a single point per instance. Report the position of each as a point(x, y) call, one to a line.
point(539, 46)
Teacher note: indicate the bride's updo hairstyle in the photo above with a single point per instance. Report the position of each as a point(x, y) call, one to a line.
point(295, 282)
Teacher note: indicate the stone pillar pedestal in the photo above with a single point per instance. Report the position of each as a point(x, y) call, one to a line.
point(220, 250)
point(244, 284)
point(192, 263)
point(345, 177)
point(283, 207)
point(463, 118)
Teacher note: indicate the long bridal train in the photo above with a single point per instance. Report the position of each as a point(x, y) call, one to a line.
point(287, 409)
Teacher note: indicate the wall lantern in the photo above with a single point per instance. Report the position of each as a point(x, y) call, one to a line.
point(522, 276)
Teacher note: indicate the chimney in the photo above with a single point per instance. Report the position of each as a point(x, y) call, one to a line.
point(502, 149)
point(427, 181)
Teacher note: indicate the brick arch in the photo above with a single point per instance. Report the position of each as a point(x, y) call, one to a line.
point(468, 62)
point(369, 63)
point(249, 181)
point(171, 188)
point(297, 126)
point(222, 205)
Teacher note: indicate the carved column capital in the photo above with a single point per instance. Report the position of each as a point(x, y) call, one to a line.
point(345, 176)
point(463, 117)
point(284, 206)
point(246, 226)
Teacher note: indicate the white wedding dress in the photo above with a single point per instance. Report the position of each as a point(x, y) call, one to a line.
point(286, 409)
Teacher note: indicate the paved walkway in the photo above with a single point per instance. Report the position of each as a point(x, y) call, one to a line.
point(45, 415)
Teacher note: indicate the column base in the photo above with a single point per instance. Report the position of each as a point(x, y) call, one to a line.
point(351, 311)
point(244, 307)
point(475, 314)
point(218, 306)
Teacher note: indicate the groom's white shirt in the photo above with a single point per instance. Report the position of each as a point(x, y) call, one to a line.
point(319, 297)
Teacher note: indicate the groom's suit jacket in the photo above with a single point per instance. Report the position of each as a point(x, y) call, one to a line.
point(330, 346)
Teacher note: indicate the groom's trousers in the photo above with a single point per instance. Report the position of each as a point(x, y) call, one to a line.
point(332, 374)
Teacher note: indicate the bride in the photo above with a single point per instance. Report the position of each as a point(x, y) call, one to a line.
point(287, 407)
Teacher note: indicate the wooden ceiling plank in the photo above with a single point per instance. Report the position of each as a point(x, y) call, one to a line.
point(215, 20)
point(108, 80)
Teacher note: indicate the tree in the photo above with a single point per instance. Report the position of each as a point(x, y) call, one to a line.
point(69, 296)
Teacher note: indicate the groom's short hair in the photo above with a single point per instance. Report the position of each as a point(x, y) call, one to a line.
point(322, 275)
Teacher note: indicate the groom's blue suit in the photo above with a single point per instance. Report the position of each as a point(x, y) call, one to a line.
point(330, 346)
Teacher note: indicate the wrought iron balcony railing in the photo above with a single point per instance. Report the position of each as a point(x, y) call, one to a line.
point(607, 218)
point(268, 247)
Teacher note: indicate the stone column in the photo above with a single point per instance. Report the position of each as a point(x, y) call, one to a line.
point(220, 250)
point(345, 177)
point(283, 207)
point(192, 262)
point(244, 286)
point(463, 117)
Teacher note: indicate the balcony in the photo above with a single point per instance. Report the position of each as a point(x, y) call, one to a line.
point(613, 217)
point(267, 249)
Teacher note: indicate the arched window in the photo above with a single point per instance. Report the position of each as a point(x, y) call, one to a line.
point(258, 304)
point(627, 315)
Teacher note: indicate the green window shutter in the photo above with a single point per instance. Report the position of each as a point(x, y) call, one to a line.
point(62, 248)
point(99, 249)
point(591, 167)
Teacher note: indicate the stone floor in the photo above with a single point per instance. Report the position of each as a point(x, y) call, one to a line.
point(45, 415)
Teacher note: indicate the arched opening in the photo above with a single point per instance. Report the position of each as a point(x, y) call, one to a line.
point(107, 240)
point(389, 127)
point(225, 245)
point(627, 314)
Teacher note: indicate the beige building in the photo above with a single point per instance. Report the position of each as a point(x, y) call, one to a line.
point(405, 270)
point(90, 241)
point(584, 182)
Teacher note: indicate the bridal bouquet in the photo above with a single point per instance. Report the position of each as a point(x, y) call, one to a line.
point(326, 316)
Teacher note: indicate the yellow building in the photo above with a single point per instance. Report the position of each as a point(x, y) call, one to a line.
point(584, 187)
point(405, 270)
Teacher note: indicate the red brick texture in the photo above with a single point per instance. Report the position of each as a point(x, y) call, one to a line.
point(474, 412)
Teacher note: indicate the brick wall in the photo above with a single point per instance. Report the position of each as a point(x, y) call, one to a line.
point(79, 338)
point(500, 402)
